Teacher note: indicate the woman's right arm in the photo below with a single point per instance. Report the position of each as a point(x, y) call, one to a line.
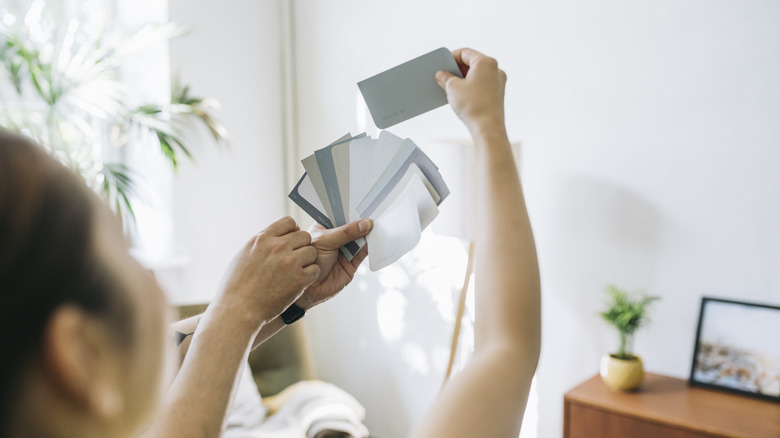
point(488, 397)
point(268, 274)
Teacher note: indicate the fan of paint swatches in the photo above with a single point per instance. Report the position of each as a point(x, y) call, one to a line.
point(388, 179)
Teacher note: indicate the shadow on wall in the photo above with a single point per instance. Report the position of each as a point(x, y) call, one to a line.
point(596, 233)
point(386, 339)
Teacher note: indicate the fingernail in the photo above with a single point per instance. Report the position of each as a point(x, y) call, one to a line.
point(364, 225)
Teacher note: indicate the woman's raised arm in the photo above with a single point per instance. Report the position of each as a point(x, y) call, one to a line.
point(488, 397)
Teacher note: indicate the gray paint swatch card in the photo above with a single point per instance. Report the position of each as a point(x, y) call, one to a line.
point(428, 169)
point(409, 89)
point(303, 194)
point(330, 180)
point(312, 168)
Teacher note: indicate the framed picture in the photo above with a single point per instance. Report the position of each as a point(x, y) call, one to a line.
point(738, 348)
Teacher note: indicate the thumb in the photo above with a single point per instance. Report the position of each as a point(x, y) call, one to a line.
point(443, 77)
point(344, 234)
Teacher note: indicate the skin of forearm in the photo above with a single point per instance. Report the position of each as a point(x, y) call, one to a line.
point(189, 325)
point(197, 401)
point(186, 326)
point(268, 331)
point(194, 396)
point(487, 397)
point(273, 327)
point(507, 272)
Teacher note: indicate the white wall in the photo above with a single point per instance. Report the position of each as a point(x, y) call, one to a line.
point(652, 163)
point(232, 54)
point(651, 160)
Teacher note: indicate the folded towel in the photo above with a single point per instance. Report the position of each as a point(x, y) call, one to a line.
point(302, 410)
point(314, 406)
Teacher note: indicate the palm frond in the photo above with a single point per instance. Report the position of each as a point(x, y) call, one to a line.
point(169, 122)
point(184, 104)
point(12, 61)
point(119, 189)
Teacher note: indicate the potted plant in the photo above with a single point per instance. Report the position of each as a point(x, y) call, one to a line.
point(627, 312)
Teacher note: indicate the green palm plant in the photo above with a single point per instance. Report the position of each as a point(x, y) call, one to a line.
point(67, 95)
point(627, 313)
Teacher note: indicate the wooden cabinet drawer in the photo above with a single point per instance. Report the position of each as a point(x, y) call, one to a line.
point(587, 422)
point(666, 407)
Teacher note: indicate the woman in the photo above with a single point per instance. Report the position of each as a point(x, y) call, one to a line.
point(84, 326)
point(86, 350)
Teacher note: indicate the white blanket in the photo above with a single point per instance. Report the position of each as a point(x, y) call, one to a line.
point(302, 410)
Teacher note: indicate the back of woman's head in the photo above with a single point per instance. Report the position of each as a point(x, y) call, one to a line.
point(47, 257)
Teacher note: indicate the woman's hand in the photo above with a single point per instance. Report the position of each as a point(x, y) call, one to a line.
point(478, 97)
point(335, 271)
point(270, 273)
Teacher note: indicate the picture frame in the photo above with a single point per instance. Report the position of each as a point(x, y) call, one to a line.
point(737, 348)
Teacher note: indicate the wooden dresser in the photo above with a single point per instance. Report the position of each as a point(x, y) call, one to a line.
point(665, 407)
